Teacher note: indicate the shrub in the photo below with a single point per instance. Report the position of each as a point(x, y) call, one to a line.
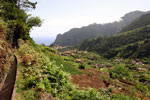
point(122, 72)
point(91, 94)
point(121, 97)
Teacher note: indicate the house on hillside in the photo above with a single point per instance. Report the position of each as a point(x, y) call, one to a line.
point(78, 60)
point(142, 69)
point(95, 66)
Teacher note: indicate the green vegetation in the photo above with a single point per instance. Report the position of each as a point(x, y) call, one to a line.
point(39, 74)
point(19, 23)
point(44, 72)
point(119, 97)
point(139, 22)
point(128, 44)
point(130, 72)
point(59, 60)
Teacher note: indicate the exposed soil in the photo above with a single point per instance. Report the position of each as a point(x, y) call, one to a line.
point(92, 79)
point(138, 95)
point(147, 98)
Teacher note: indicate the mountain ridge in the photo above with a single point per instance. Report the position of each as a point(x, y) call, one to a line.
point(129, 44)
point(77, 35)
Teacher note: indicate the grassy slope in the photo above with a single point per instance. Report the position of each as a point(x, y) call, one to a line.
point(39, 73)
point(59, 60)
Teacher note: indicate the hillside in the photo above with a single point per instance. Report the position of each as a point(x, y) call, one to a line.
point(29, 71)
point(139, 22)
point(130, 44)
point(78, 35)
point(76, 75)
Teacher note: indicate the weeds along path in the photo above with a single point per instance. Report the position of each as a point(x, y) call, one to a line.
point(8, 87)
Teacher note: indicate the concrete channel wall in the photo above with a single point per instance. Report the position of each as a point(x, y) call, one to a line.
point(8, 87)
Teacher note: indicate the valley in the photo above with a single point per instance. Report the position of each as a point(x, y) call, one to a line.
point(121, 76)
point(108, 61)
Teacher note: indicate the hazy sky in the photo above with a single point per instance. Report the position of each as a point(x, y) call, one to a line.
point(61, 15)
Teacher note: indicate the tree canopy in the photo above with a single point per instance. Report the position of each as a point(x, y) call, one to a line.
point(13, 12)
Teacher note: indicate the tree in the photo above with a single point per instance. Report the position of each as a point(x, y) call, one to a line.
point(26, 4)
point(22, 3)
point(19, 22)
point(34, 22)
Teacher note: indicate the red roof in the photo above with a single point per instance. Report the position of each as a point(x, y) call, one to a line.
point(78, 60)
